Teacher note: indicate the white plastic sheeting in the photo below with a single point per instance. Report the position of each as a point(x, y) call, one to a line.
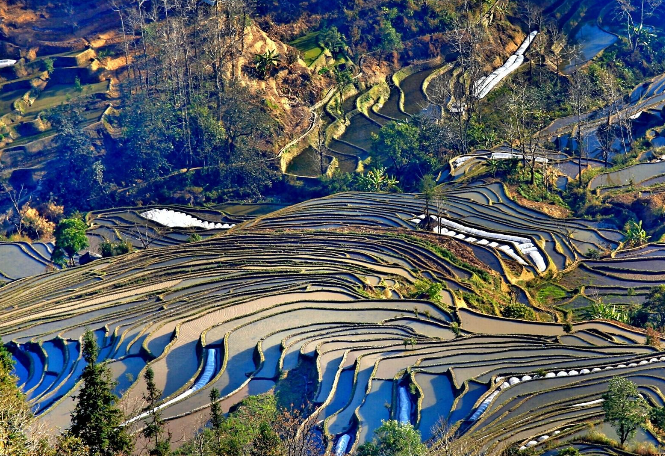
point(508, 155)
point(483, 406)
point(458, 231)
point(587, 404)
point(175, 219)
point(485, 84)
point(4, 63)
point(342, 444)
point(404, 406)
point(206, 376)
point(461, 160)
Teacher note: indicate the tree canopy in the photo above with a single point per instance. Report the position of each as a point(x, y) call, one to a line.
point(394, 439)
point(624, 408)
point(96, 419)
point(70, 239)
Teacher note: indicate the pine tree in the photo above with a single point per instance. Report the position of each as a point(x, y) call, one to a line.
point(154, 430)
point(96, 419)
point(215, 410)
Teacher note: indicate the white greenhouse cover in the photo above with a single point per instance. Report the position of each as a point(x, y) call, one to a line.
point(485, 84)
point(524, 245)
point(175, 219)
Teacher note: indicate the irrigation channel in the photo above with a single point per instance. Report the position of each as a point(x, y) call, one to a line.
point(220, 313)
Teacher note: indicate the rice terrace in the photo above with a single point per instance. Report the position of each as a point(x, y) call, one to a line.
point(377, 228)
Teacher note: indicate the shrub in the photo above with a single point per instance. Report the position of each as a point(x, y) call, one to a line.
point(432, 290)
point(517, 310)
point(515, 451)
point(455, 328)
point(657, 417)
point(634, 234)
point(645, 449)
point(568, 327)
point(111, 249)
point(653, 338)
point(194, 237)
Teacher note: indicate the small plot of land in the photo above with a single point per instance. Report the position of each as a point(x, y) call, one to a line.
point(309, 46)
point(57, 94)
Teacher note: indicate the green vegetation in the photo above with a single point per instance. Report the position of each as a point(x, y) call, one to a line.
point(15, 414)
point(111, 249)
point(635, 235)
point(407, 150)
point(601, 310)
point(309, 47)
point(654, 305)
point(266, 62)
point(70, 239)
point(517, 310)
point(570, 451)
point(394, 439)
point(96, 419)
point(550, 292)
point(376, 180)
point(624, 409)
point(427, 289)
point(154, 429)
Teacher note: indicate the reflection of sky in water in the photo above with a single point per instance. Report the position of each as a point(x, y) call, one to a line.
point(591, 40)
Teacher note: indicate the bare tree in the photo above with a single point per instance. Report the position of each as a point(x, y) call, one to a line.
point(468, 40)
point(446, 442)
point(579, 94)
point(147, 235)
point(16, 197)
point(297, 432)
point(633, 13)
point(527, 116)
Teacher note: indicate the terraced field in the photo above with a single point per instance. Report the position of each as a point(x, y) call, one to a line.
point(324, 296)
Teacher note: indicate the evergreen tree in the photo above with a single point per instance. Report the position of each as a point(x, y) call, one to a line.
point(96, 419)
point(215, 410)
point(154, 431)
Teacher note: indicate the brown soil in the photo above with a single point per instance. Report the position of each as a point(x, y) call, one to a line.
point(647, 206)
point(551, 209)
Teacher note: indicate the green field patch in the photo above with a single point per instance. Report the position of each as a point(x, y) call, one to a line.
point(549, 293)
point(57, 94)
point(8, 98)
point(309, 46)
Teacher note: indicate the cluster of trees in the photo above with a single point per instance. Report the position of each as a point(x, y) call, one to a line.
point(187, 118)
point(30, 221)
point(373, 26)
